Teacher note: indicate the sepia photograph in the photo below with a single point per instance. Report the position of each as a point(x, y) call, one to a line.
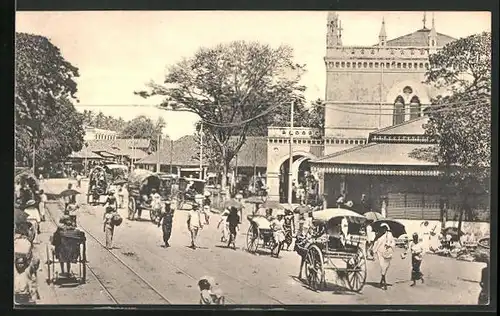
point(252, 158)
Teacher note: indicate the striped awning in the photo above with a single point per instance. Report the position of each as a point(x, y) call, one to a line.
point(374, 170)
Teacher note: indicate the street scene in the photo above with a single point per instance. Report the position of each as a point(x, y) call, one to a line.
point(156, 165)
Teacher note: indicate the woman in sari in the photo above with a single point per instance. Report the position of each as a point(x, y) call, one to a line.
point(417, 249)
point(383, 249)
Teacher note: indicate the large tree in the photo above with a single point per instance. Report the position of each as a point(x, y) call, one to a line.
point(44, 82)
point(144, 127)
point(460, 120)
point(43, 77)
point(231, 86)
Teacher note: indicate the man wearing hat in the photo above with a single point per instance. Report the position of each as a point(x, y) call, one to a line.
point(194, 223)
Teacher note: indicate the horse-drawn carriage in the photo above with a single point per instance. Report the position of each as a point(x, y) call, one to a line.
point(260, 233)
point(330, 250)
point(103, 179)
point(140, 186)
point(70, 248)
point(188, 189)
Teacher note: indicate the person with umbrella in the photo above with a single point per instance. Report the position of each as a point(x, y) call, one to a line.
point(416, 247)
point(166, 223)
point(384, 250)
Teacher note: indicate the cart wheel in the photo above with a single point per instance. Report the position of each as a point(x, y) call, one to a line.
point(356, 271)
point(83, 263)
point(131, 208)
point(315, 273)
point(252, 238)
point(49, 263)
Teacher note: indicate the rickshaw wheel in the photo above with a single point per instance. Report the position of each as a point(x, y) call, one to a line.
point(131, 208)
point(83, 263)
point(356, 271)
point(252, 238)
point(315, 273)
point(49, 263)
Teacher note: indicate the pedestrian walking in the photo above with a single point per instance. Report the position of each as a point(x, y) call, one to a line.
point(111, 200)
point(239, 198)
point(70, 199)
point(416, 247)
point(384, 251)
point(40, 178)
point(277, 226)
point(289, 227)
point(194, 224)
point(34, 218)
point(121, 196)
point(78, 180)
point(109, 227)
point(233, 220)
point(484, 295)
point(370, 238)
point(166, 223)
point(225, 226)
point(42, 204)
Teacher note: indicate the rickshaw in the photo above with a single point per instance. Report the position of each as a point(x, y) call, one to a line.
point(72, 249)
point(188, 189)
point(103, 179)
point(140, 184)
point(260, 233)
point(326, 252)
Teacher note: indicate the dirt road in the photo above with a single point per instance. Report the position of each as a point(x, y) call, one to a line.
point(170, 275)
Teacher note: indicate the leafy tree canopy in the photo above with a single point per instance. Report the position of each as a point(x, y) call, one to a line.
point(43, 77)
point(231, 86)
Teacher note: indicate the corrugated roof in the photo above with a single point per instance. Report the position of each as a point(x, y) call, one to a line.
point(85, 153)
point(378, 154)
point(419, 38)
point(186, 149)
point(411, 127)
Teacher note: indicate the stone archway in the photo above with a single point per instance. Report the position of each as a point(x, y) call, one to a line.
point(278, 173)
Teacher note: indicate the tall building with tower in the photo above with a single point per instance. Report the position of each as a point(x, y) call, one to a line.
point(368, 88)
point(373, 87)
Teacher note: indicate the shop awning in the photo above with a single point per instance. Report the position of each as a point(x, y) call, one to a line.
point(377, 154)
point(377, 159)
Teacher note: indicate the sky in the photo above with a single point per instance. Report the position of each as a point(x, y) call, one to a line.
point(119, 52)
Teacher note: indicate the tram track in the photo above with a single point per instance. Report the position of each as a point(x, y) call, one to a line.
point(101, 281)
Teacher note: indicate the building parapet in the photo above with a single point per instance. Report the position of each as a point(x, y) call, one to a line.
point(298, 132)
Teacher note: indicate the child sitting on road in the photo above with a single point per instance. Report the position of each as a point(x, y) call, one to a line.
point(207, 296)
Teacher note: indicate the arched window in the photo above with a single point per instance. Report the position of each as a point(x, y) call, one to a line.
point(399, 111)
point(415, 107)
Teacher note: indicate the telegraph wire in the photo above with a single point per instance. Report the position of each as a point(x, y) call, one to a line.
point(376, 111)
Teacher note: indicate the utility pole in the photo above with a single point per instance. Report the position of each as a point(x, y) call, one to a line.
point(171, 154)
point(34, 157)
point(382, 65)
point(291, 156)
point(254, 165)
point(201, 150)
point(158, 165)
